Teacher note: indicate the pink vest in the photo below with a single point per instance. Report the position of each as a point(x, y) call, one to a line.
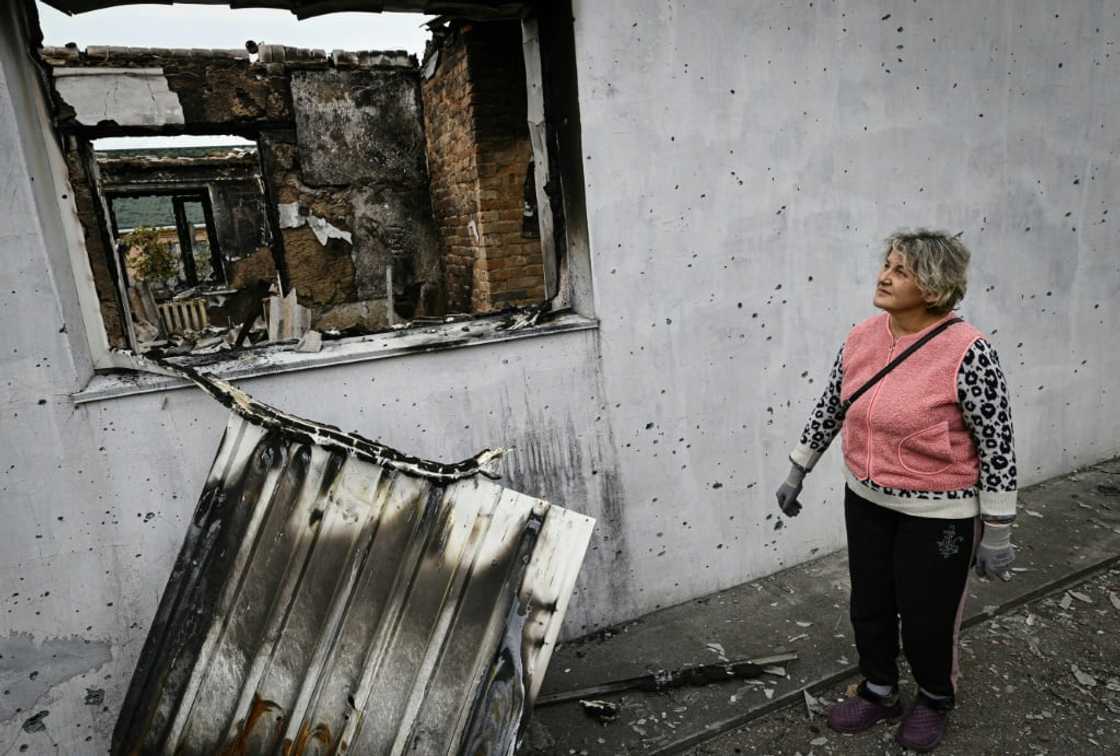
point(907, 432)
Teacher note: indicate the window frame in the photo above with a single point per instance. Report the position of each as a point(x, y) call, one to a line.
point(553, 116)
point(188, 193)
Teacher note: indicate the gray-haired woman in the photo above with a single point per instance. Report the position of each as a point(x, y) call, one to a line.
point(929, 462)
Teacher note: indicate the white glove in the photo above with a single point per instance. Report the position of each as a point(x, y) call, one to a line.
point(995, 554)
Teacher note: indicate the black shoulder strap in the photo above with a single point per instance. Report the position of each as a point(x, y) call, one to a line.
point(895, 363)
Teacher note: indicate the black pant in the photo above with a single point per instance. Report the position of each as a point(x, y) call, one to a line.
point(915, 568)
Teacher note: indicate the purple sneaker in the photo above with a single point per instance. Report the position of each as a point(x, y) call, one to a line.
point(923, 727)
point(863, 710)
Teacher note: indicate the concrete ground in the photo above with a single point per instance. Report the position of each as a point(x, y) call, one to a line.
point(1043, 679)
point(1040, 654)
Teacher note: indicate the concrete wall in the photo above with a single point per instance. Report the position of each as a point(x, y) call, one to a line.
point(742, 160)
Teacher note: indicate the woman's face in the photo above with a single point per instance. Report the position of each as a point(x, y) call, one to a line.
point(897, 289)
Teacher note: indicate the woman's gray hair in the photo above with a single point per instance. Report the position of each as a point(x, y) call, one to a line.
point(939, 262)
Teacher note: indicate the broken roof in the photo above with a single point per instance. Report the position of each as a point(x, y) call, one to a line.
point(72, 59)
point(309, 8)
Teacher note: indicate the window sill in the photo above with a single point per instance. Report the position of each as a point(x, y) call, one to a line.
point(278, 359)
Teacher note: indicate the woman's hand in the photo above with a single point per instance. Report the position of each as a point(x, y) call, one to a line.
point(790, 490)
point(995, 554)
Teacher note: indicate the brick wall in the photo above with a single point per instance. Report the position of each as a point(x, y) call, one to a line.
point(478, 157)
point(453, 170)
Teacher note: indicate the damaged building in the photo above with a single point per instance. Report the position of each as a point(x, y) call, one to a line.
point(205, 210)
point(620, 240)
point(346, 211)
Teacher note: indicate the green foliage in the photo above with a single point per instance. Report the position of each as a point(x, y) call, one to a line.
point(202, 265)
point(153, 261)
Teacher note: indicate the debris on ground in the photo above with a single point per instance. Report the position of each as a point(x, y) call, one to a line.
point(1082, 678)
point(812, 705)
point(1040, 680)
point(312, 341)
point(604, 711)
point(717, 649)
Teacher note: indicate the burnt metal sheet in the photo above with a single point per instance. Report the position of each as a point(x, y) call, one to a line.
point(480, 9)
point(330, 599)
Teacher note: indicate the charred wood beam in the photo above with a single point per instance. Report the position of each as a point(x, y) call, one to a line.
point(328, 436)
point(114, 261)
point(186, 243)
point(217, 261)
point(478, 10)
point(272, 214)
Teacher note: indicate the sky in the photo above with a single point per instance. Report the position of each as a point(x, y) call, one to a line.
point(218, 26)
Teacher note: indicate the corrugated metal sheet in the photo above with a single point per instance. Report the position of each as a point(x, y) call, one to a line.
point(323, 603)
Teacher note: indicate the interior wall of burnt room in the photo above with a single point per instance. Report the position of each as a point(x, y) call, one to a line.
point(731, 252)
point(341, 145)
point(479, 152)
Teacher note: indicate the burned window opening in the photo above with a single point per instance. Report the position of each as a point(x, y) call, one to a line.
point(356, 219)
point(200, 210)
point(192, 224)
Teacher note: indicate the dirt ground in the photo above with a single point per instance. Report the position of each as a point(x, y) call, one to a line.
point(1044, 679)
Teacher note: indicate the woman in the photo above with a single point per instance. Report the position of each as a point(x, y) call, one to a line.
point(931, 481)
